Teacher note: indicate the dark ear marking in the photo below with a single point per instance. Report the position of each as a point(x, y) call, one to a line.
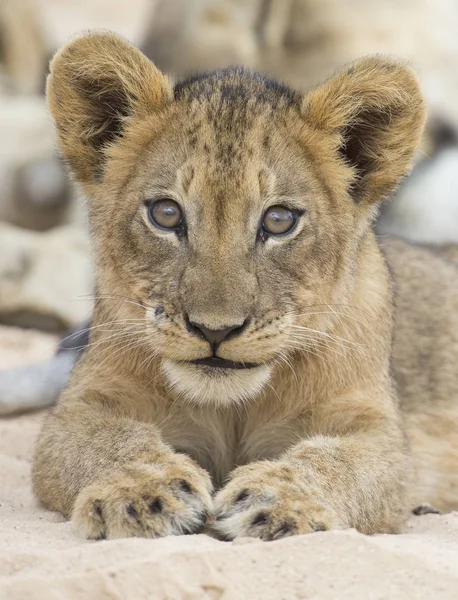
point(373, 114)
point(113, 107)
point(359, 146)
point(96, 83)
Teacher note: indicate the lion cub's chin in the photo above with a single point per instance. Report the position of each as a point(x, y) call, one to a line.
point(205, 385)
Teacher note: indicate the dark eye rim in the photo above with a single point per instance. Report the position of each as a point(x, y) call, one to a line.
point(151, 202)
point(265, 233)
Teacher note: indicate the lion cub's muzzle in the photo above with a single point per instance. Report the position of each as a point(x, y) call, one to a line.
point(221, 375)
point(215, 337)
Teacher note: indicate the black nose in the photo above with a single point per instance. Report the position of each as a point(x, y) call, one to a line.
point(215, 336)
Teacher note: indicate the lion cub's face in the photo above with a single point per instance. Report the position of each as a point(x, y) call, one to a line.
point(231, 239)
point(228, 209)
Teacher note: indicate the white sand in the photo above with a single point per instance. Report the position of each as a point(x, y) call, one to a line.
point(42, 558)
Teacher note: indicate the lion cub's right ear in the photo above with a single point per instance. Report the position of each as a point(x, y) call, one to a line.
point(96, 83)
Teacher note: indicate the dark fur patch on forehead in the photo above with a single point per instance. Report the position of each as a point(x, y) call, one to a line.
point(237, 85)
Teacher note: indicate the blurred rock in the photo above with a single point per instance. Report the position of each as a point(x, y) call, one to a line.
point(425, 208)
point(185, 36)
point(35, 192)
point(45, 278)
point(30, 376)
point(34, 188)
point(20, 347)
point(304, 41)
point(34, 386)
point(23, 53)
point(42, 184)
point(63, 18)
point(34, 368)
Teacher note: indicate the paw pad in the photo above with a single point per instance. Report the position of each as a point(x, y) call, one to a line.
point(97, 506)
point(285, 529)
point(185, 487)
point(155, 506)
point(318, 526)
point(203, 515)
point(131, 511)
point(260, 519)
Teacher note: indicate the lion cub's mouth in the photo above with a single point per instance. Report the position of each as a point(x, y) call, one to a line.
point(214, 380)
point(222, 363)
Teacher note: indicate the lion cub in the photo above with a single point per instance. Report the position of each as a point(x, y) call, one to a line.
point(243, 323)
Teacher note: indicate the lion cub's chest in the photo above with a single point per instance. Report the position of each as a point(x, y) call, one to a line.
point(220, 441)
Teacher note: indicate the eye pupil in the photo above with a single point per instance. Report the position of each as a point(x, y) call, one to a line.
point(278, 220)
point(165, 214)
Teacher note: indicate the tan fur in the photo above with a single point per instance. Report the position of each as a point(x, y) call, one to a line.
point(424, 363)
point(312, 438)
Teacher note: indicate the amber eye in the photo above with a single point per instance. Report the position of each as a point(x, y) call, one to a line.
point(278, 220)
point(165, 214)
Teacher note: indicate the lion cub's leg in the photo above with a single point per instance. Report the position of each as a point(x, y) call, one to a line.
point(114, 475)
point(352, 477)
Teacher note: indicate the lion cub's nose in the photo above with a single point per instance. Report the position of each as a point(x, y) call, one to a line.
point(215, 336)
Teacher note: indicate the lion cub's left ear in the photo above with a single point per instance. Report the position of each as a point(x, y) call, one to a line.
point(96, 83)
point(376, 112)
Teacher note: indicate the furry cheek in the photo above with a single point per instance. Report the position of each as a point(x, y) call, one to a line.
point(199, 386)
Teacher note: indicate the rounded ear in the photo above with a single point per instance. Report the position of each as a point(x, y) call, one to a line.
point(96, 83)
point(377, 111)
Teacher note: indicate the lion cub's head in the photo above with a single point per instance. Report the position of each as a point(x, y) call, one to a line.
point(228, 210)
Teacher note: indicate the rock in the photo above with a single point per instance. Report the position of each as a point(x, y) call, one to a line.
point(62, 19)
point(44, 277)
point(23, 48)
point(25, 386)
point(303, 41)
point(425, 208)
point(34, 189)
point(19, 347)
point(184, 37)
point(35, 386)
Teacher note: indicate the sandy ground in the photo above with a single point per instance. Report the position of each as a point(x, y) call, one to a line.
point(42, 558)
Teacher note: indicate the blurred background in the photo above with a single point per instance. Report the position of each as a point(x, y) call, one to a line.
point(45, 271)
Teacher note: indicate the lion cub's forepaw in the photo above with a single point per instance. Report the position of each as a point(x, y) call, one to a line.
point(146, 500)
point(268, 500)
